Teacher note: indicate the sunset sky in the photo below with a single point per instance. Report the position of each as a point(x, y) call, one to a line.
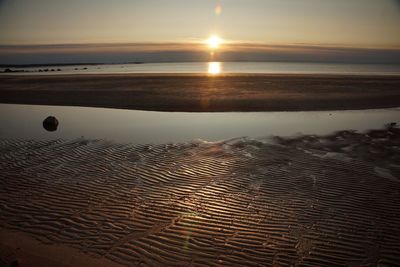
point(27, 26)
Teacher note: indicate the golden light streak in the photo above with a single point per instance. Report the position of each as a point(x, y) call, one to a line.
point(214, 68)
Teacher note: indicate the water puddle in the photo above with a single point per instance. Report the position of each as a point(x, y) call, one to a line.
point(26, 122)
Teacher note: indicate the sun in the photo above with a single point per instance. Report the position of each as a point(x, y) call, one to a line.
point(214, 42)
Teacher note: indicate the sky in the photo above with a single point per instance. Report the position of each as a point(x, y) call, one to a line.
point(32, 31)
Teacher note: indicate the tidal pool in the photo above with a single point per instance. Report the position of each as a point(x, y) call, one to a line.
point(142, 127)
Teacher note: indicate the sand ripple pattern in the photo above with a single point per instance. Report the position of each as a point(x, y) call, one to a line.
point(233, 203)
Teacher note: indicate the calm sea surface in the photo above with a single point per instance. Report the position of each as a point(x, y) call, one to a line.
point(220, 67)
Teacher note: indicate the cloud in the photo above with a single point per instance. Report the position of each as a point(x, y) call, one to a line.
point(183, 52)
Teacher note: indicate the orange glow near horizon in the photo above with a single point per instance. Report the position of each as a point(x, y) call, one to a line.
point(23, 22)
point(214, 42)
point(214, 68)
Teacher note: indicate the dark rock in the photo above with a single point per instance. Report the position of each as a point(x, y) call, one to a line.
point(50, 124)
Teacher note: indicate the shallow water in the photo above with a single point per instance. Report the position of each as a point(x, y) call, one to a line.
point(144, 127)
point(221, 67)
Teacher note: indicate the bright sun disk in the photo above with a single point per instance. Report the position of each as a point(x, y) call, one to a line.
point(214, 42)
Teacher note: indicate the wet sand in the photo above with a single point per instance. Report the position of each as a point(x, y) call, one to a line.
point(304, 201)
point(17, 247)
point(202, 93)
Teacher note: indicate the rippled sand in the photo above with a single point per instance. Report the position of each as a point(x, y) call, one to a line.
point(310, 201)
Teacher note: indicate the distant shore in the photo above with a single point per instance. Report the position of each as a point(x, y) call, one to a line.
point(204, 93)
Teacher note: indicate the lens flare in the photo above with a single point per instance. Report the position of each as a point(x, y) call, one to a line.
point(218, 10)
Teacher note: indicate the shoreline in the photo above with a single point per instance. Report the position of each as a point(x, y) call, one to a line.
point(205, 93)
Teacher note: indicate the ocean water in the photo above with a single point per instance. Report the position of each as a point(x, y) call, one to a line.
point(215, 68)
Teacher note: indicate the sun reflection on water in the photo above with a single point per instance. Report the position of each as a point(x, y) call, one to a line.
point(214, 68)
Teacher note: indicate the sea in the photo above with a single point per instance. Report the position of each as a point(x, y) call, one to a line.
point(213, 68)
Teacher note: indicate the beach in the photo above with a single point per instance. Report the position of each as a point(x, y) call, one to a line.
point(204, 93)
point(199, 133)
point(306, 201)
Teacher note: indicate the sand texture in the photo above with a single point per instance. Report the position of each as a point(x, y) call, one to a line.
point(202, 93)
point(306, 201)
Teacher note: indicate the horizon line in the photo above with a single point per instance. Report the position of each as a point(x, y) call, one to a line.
point(192, 52)
point(226, 43)
point(167, 62)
